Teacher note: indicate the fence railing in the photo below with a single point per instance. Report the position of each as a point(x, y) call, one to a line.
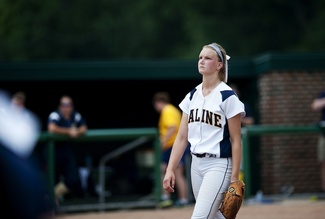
point(152, 133)
point(259, 130)
point(106, 135)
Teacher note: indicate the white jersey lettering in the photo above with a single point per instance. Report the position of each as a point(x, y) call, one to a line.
point(207, 117)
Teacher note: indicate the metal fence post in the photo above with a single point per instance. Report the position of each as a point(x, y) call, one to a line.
point(158, 183)
point(51, 166)
point(246, 162)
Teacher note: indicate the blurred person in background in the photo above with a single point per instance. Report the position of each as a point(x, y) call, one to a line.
point(245, 121)
point(69, 122)
point(249, 118)
point(18, 100)
point(24, 191)
point(169, 121)
point(318, 105)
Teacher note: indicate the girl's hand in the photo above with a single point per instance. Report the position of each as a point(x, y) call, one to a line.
point(169, 181)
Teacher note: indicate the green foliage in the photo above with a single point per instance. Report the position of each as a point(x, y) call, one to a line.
point(143, 29)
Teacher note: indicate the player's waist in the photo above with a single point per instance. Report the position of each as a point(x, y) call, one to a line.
point(201, 155)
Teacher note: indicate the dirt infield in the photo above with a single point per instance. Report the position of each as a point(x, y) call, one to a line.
point(287, 209)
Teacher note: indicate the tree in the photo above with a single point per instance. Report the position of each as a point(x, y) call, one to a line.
point(170, 29)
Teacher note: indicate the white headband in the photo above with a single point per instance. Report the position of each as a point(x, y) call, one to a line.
point(216, 48)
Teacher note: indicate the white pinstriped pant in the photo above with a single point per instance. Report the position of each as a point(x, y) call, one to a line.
point(210, 178)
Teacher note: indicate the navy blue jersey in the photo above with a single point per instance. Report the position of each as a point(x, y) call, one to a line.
point(76, 120)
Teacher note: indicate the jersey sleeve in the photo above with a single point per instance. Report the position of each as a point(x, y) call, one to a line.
point(185, 104)
point(54, 117)
point(79, 120)
point(231, 105)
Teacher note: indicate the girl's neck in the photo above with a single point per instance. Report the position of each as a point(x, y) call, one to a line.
point(208, 85)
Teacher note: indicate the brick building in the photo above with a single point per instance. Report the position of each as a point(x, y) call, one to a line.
point(285, 98)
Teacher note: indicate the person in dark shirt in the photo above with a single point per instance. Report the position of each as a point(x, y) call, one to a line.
point(66, 121)
point(249, 118)
point(245, 121)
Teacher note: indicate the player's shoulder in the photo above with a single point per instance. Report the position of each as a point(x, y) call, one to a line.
point(223, 86)
point(54, 115)
point(226, 91)
point(193, 91)
point(77, 116)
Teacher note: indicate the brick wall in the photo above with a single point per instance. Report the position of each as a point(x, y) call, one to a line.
point(290, 159)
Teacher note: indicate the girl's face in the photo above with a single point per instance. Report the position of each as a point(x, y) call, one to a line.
point(208, 61)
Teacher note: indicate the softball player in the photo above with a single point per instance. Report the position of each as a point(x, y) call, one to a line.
point(211, 123)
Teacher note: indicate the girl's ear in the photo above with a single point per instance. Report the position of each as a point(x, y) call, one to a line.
point(219, 66)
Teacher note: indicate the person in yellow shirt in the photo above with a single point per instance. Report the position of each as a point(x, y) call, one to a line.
point(168, 125)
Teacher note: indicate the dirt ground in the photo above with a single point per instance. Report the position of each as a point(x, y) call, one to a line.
point(287, 209)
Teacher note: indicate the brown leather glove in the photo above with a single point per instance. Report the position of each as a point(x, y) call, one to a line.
point(232, 199)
